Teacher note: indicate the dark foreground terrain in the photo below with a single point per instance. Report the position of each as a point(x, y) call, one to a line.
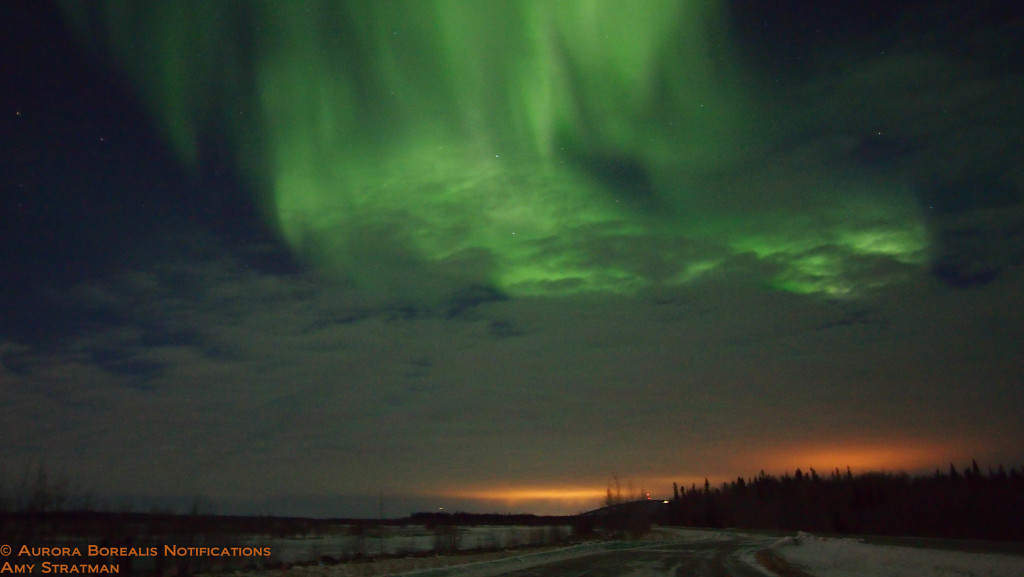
point(731, 557)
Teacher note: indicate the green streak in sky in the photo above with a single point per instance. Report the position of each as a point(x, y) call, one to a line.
point(414, 146)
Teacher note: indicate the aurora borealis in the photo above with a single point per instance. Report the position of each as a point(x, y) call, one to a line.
point(538, 149)
point(451, 249)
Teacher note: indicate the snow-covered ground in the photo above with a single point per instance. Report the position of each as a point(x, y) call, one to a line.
point(816, 556)
point(408, 539)
point(486, 564)
point(825, 557)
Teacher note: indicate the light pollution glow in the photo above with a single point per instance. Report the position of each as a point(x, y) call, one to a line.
point(540, 500)
point(413, 147)
point(860, 457)
point(863, 457)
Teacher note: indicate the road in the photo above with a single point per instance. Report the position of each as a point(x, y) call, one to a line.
point(729, 557)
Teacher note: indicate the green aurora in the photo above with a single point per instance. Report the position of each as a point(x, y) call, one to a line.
point(542, 148)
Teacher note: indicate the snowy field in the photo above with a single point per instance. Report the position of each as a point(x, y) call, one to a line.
point(815, 556)
point(824, 557)
point(491, 564)
point(408, 540)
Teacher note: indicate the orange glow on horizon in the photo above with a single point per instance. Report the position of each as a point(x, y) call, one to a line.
point(914, 458)
point(531, 494)
point(861, 458)
point(538, 500)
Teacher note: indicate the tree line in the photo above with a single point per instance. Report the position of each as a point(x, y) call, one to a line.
point(971, 503)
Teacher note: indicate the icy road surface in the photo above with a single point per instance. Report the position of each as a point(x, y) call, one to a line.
point(824, 557)
point(731, 557)
point(677, 552)
point(685, 553)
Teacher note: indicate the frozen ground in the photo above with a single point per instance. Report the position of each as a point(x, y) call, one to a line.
point(408, 539)
point(486, 564)
point(824, 557)
point(815, 556)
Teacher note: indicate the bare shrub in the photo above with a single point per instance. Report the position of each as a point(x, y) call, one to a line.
point(447, 539)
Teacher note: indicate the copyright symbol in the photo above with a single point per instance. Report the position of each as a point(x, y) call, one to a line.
point(5, 550)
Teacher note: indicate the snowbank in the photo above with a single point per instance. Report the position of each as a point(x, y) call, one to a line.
point(407, 539)
point(485, 564)
point(823, 557)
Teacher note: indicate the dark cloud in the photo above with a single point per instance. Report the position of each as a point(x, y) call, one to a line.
point(421, 402)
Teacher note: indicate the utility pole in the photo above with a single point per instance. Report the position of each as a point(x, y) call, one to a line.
point(380, 528)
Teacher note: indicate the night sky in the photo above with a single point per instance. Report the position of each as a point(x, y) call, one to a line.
point(298, 257)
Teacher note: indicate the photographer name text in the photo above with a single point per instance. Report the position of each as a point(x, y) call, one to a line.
point(99, 557)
